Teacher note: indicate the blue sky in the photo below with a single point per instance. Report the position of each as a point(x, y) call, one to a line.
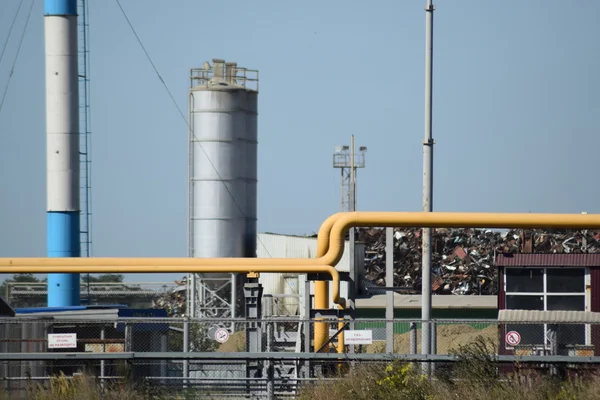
point(516, 111)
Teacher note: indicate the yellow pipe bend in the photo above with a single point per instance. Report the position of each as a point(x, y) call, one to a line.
point(346, 221)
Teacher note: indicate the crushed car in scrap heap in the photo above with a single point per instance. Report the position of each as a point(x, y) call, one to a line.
point(462, 259)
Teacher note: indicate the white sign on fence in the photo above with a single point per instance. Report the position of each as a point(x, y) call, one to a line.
point(358, 337)
point(62, 340)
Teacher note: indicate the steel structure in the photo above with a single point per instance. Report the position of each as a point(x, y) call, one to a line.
point(222, 179)
point(62, 141)
point(85, 144)
point(348, 161)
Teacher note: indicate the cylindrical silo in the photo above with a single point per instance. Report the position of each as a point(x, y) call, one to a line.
point(223, 163)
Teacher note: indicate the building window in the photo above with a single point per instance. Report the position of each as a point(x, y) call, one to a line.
point(547, 289)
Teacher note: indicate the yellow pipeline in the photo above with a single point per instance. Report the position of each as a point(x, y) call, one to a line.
point(107, 265)
point(330, 246)
point(321, 329)
point(333, 231)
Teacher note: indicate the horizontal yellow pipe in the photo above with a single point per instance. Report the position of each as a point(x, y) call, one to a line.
point(331, 237)
point(346, 221)
point(97, 266)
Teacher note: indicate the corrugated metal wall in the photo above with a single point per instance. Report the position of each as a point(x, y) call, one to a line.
point(271, 245)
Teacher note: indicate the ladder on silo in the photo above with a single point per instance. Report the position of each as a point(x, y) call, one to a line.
point(85, 233)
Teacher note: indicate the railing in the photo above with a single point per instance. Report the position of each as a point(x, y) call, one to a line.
point(177, 354)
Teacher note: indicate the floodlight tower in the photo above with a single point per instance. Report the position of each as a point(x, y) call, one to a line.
point(348, 161)
point(345, 158)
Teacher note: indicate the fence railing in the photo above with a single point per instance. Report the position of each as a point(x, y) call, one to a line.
point(191, 353)
point(55, 335)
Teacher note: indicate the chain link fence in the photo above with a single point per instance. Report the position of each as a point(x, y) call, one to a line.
point(177, 354)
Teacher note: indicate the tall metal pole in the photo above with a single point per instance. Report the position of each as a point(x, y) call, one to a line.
point(427, 184)
point(351, 242)
point(389, 295)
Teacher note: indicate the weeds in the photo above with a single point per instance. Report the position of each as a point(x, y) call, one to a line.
point(61, 387)
point(475, 376)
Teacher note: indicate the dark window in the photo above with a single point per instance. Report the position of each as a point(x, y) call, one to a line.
point(525, 280)
point(557, 281)
point(564, 280)
point(531, 334)
point(568, 303)
point(571, 334)
point(518, 302)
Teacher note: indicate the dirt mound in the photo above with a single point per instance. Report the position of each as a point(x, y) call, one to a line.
point(236, 343)
point(449, 337)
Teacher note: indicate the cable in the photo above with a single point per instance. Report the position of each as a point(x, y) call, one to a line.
point(12, 70)
point(183, 117)
point(10, 31)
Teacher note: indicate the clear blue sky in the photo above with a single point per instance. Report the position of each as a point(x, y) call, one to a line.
point(516, 110)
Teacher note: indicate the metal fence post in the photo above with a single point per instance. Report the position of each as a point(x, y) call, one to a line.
point(102, 365)
point(186, 349)
point(413, 338)
point(389, 295)
point(268, 368)
point(307, 325)
point(433, 343)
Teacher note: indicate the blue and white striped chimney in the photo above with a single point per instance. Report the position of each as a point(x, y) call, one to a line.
point(62, 128)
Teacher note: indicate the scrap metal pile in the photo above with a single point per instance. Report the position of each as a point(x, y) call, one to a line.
point(462, 259)
point(174, 300)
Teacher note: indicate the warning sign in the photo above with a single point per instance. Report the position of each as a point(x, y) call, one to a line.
point(513, 338)
point(358, 337)
point(62, 340)
point(222, 335)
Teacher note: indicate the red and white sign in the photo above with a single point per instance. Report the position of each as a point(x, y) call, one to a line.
point(513, 338)
point(62, 340)
point(222, 335)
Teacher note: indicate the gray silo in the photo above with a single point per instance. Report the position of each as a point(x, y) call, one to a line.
point(222, 177)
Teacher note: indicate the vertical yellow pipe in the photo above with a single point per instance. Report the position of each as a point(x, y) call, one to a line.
point(340, 345)
point(321, 333)
point(321, 303)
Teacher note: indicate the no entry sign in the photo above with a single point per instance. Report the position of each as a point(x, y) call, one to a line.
point(513, 338)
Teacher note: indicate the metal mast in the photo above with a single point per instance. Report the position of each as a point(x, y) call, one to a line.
point(427, 184)
point(85, 144)
point(85, 237)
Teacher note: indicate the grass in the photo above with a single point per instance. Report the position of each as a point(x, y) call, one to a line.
point(82, 387)
point(475, 376)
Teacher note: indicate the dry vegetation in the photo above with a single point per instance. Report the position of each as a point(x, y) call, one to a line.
point(236, 343)
point(475, 376)
point(80, 388)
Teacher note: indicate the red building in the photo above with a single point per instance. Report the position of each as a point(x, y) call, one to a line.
point(550, 282)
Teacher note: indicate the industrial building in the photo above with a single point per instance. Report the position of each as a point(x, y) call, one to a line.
point(555, 287)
